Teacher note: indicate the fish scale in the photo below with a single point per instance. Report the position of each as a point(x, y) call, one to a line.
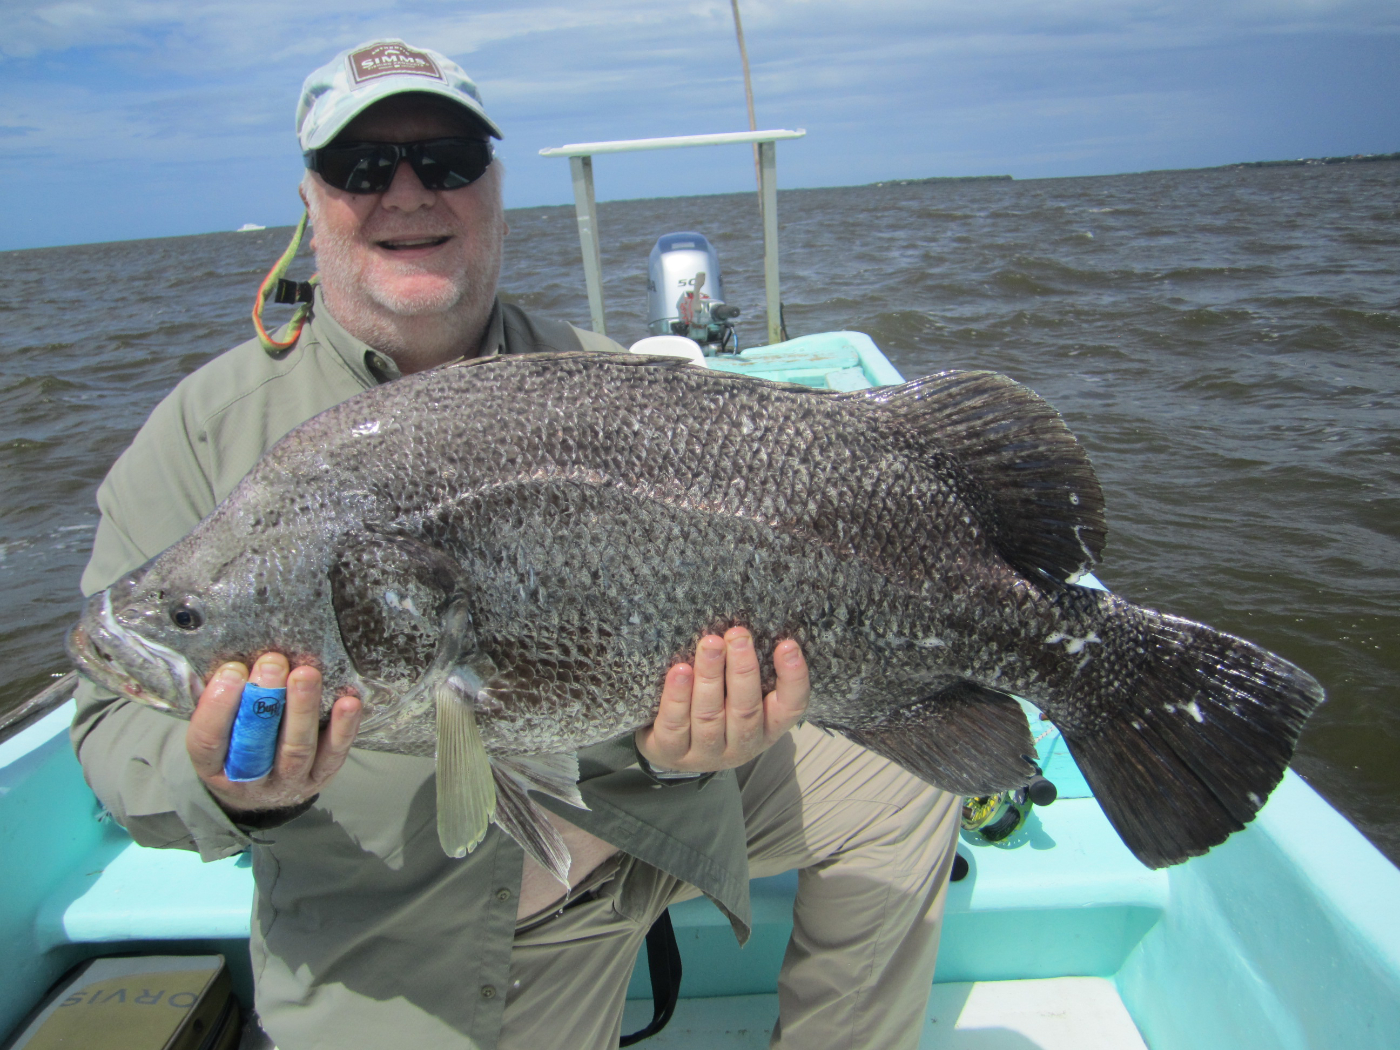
point(503, 559)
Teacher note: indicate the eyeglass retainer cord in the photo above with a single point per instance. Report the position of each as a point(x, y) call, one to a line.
point(268, 289)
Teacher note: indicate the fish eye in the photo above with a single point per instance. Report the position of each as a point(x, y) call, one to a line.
point(187, 615)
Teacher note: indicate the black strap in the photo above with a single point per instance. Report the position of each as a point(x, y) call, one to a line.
point(294, 292)
point(664, 962)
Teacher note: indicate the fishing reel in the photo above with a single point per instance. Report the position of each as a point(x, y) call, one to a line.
point(996, 817)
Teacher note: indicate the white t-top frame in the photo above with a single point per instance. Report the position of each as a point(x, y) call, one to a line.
point(581, 155)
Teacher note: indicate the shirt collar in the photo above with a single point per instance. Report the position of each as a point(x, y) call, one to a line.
point(372, 366)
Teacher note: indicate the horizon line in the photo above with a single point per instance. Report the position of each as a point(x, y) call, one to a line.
point(1355, 158)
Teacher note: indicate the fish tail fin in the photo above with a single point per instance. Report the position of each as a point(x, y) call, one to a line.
point(1190, 755)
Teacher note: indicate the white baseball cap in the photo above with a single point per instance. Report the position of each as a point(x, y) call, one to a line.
point(354, 80)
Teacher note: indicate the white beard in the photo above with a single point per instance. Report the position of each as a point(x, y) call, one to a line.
point(372, 309)
point(342, 265)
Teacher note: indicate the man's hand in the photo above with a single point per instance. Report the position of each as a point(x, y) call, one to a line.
point(307, 755)
point(714, 715)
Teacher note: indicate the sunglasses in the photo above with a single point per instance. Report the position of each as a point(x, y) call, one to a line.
point(369, 167)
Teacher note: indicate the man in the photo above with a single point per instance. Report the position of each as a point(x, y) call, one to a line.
point(364, 933)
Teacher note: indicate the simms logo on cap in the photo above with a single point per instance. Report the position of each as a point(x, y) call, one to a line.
point(384, 60)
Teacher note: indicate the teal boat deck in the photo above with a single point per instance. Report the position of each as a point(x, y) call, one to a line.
point(1286, 937)
point(828, 360)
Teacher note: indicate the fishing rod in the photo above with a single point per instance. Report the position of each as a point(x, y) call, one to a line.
point(748, 95)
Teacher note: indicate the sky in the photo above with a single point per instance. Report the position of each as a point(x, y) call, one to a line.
point(123, 119)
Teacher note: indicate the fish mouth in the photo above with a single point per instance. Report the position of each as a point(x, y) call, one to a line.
point(129, 664)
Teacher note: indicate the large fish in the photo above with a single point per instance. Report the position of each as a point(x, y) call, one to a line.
point(503, 559)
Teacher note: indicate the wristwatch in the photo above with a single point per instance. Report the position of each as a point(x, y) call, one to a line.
point(665, 776)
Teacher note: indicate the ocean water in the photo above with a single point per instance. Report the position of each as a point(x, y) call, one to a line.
point(1226, 344)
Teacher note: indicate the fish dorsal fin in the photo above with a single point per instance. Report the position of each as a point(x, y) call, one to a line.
point(1041, 501)
point(966, 739)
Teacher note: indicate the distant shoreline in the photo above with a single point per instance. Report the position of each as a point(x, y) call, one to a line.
point(940, 178)
point(1355, 158)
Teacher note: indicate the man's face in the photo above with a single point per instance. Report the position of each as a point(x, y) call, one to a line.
point(408, 250)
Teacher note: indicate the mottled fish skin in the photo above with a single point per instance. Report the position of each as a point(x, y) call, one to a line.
point(607, 520)
point(599, 513)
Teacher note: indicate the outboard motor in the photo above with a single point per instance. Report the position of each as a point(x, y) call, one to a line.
point(685, 293)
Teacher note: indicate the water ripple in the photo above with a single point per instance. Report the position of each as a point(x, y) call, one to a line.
point(1223, 342)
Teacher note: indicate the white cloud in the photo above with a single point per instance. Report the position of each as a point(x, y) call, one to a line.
point(229, 34)
point(927, 85)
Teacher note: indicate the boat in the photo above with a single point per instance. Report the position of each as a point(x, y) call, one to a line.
point(1285, 937)
point(249, 227)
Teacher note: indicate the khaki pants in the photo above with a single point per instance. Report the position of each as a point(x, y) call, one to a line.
point(873, 845)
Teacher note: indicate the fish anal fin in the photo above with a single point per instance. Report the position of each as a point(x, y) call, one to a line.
point(1040, 500)
point(966, 739)
point(466, 787)
point(552, 775)
point(524, 820)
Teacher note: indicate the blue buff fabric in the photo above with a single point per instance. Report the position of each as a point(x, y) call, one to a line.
point(254, 741)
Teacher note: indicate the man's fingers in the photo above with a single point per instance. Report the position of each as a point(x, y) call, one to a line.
point(337, 738)
point(667, 739)
point(211, 725)
point(784, 706)
point(307, 755)
point(707, 696)
point(270, 671)
point(301, 719)
point(673, 716)
point(744, 689)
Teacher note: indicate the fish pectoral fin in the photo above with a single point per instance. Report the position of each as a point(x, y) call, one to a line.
point(390, 595)
point(552, 775)
point(466, 786)
point(523, 819)
point(966, 739)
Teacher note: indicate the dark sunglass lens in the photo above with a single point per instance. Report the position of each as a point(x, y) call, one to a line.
point(449, 164)
point(441, 164)
point(358, 169)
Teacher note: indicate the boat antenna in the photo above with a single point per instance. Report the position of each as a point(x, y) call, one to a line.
point(753, 126)
point(748, 94)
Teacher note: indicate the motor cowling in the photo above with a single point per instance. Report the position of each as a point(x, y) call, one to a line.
point(685, 291)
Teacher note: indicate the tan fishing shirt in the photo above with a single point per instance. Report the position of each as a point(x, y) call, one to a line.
point(361, 926)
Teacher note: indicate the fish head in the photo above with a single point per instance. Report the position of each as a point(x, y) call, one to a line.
point(159, 633)
point(121, 642)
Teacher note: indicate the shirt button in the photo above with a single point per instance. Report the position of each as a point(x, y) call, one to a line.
point(503, 895)
point(488, 992)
